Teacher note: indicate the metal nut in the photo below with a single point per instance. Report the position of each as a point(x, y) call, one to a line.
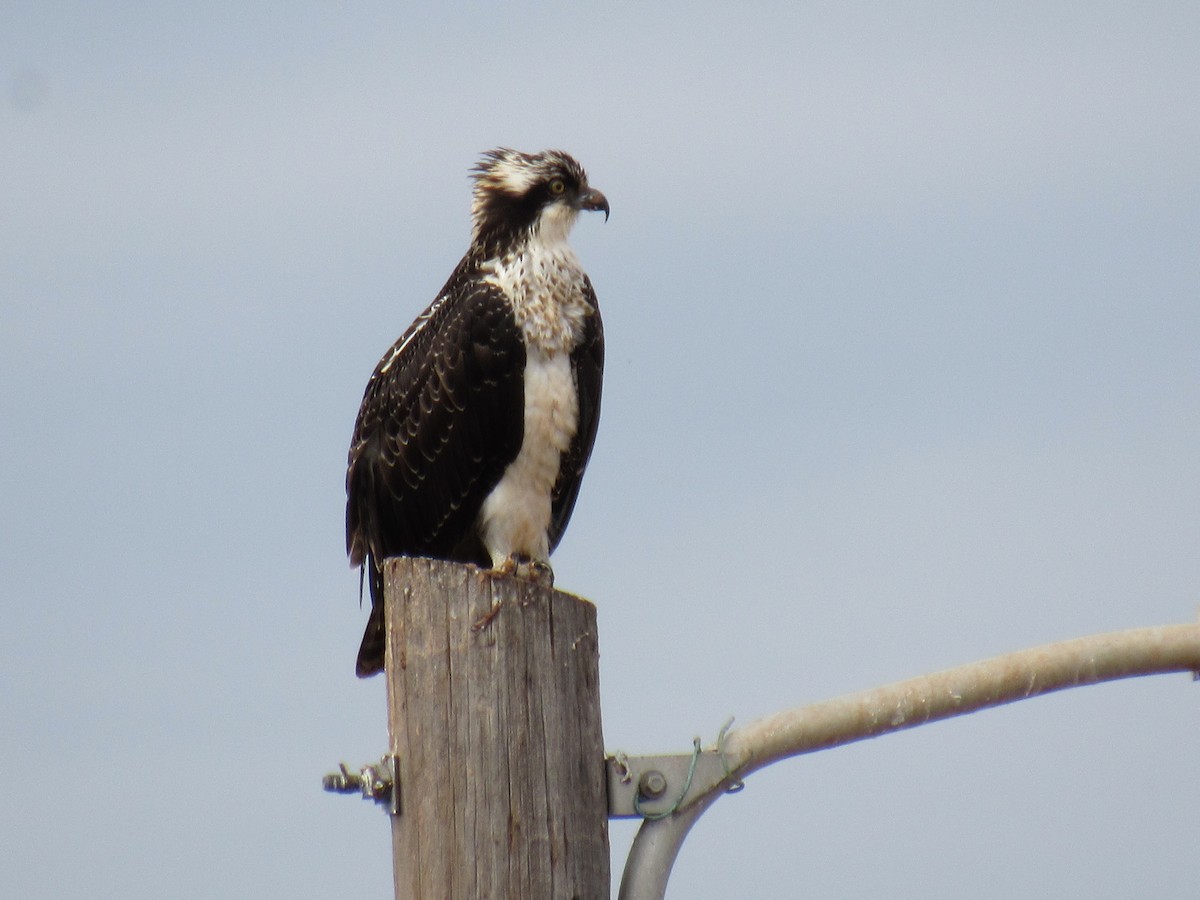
point(652, 784)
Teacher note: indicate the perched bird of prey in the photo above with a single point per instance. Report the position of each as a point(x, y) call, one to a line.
point(477, 424)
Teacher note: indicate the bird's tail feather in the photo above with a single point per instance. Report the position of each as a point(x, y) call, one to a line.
point(370, 652)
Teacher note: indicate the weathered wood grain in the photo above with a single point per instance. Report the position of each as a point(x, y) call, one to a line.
point(494, 713)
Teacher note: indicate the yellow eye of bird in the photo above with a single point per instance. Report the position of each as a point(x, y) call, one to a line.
point(557, 186)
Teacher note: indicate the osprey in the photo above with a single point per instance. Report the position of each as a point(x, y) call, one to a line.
point(476, 426)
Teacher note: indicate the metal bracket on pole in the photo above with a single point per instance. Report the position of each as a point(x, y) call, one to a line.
point(379, 782)
point(653, 787)
point(669, 793)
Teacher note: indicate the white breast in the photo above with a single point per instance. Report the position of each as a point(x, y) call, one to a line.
point(515, 517)
point(545, 285)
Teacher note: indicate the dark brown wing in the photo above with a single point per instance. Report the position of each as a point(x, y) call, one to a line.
point(441, 419)
point(587, 364)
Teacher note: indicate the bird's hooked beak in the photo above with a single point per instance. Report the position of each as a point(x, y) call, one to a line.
point(593, 199)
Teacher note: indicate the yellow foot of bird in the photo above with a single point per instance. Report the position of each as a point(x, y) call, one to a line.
point(524, 567)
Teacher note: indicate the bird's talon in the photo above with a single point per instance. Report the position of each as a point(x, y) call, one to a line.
point(486, 619)
point(541, 573)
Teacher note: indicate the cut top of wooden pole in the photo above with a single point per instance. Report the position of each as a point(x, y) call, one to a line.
point(494, 714)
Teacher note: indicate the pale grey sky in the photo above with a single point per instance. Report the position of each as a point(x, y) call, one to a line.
point(902, 316)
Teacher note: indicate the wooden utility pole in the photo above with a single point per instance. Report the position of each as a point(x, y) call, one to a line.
point(494, 715)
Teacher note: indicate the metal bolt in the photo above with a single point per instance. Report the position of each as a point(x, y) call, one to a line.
point(375, 782)
point(343, 781)
point(652, 784)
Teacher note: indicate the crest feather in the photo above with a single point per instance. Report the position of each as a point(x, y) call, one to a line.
point(505, 174)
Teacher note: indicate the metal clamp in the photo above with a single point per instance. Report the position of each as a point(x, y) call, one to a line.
point(650, 787)
point(379, 782)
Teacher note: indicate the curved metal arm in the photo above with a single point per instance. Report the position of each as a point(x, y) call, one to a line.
point(906, 704)
point(655, 848)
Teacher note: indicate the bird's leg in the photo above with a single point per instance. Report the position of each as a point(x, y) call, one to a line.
point(509, 566)
point(540, 573)
point(536, 570)
point(518, 565)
